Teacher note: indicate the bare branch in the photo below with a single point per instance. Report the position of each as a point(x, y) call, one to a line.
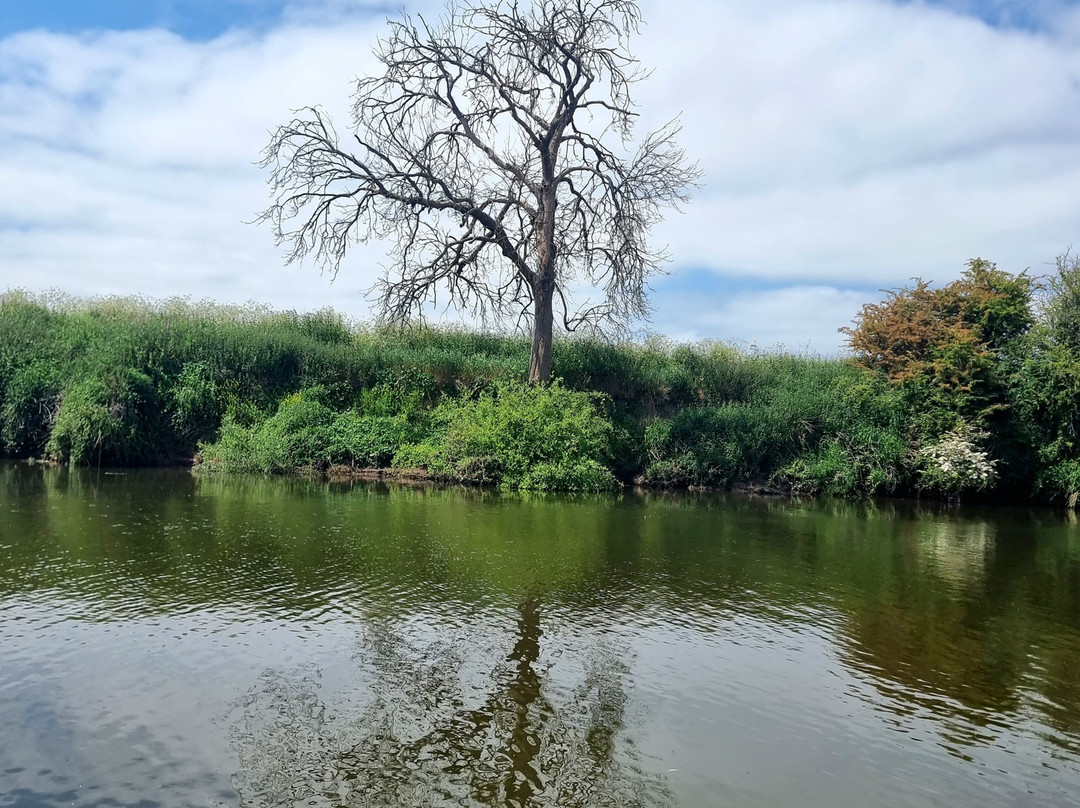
point(492, 149)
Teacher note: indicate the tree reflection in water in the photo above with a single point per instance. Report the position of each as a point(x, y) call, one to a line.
point(435, 733)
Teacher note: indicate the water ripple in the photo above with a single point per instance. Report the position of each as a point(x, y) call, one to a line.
point(269, 642)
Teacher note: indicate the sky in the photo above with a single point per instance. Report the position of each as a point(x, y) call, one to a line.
point(847, 146)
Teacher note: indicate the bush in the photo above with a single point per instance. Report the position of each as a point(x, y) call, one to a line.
point(298, 435)
point(866, 462)
point(306, 433)
point(326, 326)
point(568, 475)
point(30, 400)
point(519, 437)
point(107, 419)
point(1059, 306)
point(714, 446)
point(198, 402)
point(946, 344)
point(128, 381)
point(402, 398)
point(1046, 400)
point(955, 463)
point(861, 445)
point(1045, 390)
point(233, 451)
point(368, 440)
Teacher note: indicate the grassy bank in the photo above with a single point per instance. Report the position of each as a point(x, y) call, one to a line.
point(130, 382)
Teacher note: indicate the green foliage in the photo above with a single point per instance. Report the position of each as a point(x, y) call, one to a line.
point(515, 436)
point(30, 398)
point(519, 437)
point(658, 377)
point(208, 363)
point(1046, 396)
point(387, 400)
point(305, 433)
point(199, 402)
point(945, 346)
point(296, 436)
point(956, 463)
point(109, 419)
point(714, 446)
point(368, 440)
point(1061, 479)
point(996, 303)
point(787, 405)
point(862, 445)
point(867, 461)
point(422, 455)
point(1059, 310)
point(123, 381)
point(233, 451)
point(1045, 390)
point(627, 446)
point(326, 326)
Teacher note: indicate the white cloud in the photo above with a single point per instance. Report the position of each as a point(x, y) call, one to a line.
point(799, 318)
point(134, 158)
point(844, 142)
point(862, 140)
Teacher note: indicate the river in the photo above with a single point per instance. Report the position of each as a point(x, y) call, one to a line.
point(168, 639)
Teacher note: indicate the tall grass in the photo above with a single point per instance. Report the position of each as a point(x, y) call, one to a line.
point(131, 381)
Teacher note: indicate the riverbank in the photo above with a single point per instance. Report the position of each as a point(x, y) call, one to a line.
point(133, 383)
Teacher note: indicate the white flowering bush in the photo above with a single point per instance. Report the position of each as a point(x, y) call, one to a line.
point(956, 463)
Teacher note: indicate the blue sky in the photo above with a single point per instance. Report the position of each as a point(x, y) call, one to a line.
point(195, 19)
point(204, 19)
point(192, 19)
point(848, 146)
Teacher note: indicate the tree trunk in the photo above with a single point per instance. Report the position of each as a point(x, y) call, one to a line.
point(543, 317)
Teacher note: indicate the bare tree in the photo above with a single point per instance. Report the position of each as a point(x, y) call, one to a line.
point(495, 151)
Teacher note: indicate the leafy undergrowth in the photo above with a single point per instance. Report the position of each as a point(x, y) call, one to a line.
point(969, 390)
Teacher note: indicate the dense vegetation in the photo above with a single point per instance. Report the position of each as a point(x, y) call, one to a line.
point(968, 389)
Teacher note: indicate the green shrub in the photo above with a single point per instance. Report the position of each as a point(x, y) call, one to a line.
point(860, 443)
point(806, 424)
point(402, 398)
point(30, 399)
point(306, 433)
point(519, 437)
point(326, 326)
point(141, 382)
point(627, 446)
point(1045, 393)
point(869, 461)
point(198, 402)
point(714, 446)
point(955, 463)
point(108, 419)
point(298, 435)
point(368, 440)
point(1059, 306)
point(422, 455)
point(568, 475)
point(233, 451)
point(1061, 480)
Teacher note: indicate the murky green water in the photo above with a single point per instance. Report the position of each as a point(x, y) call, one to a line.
point(175, 641)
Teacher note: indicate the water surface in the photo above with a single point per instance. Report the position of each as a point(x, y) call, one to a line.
point(175, 640)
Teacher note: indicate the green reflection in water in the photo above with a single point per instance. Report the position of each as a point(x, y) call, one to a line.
point(967, 618)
